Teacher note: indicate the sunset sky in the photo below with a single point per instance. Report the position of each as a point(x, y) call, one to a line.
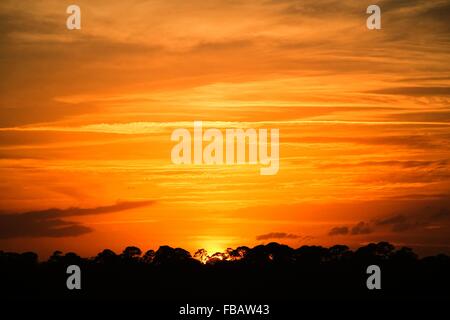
point(86, 118)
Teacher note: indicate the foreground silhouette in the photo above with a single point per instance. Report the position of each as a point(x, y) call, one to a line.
point(271, 272)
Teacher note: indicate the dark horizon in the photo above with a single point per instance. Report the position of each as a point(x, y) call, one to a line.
point(213, 254)
point(262, 151)
point(271, 272)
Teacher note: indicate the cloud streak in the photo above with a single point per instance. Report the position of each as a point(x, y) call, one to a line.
point(398, 223)
point(277, 235)
point(52, 222)
point(401, 222)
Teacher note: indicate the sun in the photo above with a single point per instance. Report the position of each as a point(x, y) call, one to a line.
point(213, 247)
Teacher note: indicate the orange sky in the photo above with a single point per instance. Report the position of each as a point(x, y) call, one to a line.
point(86, 118)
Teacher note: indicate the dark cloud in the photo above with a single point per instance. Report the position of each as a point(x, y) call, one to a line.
point(430, 216)
point(338, 231)
point(277, 235)
point(404, 19)
point(361, 228)
point(416, 20)
point(403, 222)
point(437, 13)
point(399, 223)
point(51, 222)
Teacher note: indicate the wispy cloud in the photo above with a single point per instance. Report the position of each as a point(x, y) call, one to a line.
point(428, 217)
point(52, 222)
point(335, 231)
point(277, 235)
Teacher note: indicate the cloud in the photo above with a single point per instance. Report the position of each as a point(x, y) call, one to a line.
point(428, 217)
point(318, 8)
point(403, 222)
point(406, 164)
point(433, 13)
point(361, 228)
point(410, 141)
point(51, 222)
point(338, 231)
point(399, 223)
point(430, 116)
point(277, 235)
point(415, 91)
point(389, 5)
point(17, 21)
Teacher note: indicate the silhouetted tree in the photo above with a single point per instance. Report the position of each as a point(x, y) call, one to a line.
point(238, 253)
point(339, 253)
point(272, 271)
point(311, 254)
point(167, 255)
point(376, 251)
point(55, 257)
point(149, 256)
point(71, 258)
point(131, 253)
point(107, 256)
point(29, 258)
point(404, 255)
